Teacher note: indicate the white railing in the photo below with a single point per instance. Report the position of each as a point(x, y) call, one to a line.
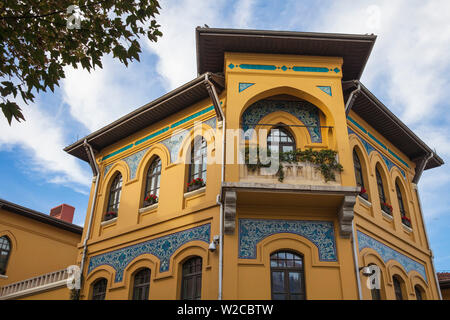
point(33, 285)
point(304, 173)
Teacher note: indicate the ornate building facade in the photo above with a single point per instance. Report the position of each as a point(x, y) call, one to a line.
point(174, 214)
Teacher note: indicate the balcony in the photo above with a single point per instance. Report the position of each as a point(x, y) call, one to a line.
point(34, 285)
point(299, 173)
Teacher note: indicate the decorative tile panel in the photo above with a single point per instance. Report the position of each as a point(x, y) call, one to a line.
point(173, 144)
point(253, 231)
point(244, 85)
point(163, 248)
point(387, 254)
point(303, 110)
point(370, 149)
point(326, 89)
point(133, 162)
point(267, 67)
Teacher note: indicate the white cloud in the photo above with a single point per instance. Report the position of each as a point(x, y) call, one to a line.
point(41, 138)
point(176, 49)
point(103, 95)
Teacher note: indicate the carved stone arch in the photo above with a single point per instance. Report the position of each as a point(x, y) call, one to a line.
point(288, 242)
point(356, 144)
point(120, 166)
point(184, 253)
point(395, 268)
point(301, 135)
point(103, 271)
point(417, 280)
point(158, 150)
point(370, 256)
point(12, 241)
point(287, 90)
point(147, 261)
point(201, 130)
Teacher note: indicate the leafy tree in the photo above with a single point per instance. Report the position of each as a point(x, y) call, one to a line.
point(41, 37)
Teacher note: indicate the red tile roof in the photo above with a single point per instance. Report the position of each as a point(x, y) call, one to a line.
point(443, 276)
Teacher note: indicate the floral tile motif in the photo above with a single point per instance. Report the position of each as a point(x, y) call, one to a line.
point(321, 233)
point(244, 85)
point(173, 144)
point(107, 169)
point(302, 110)
point(326, 89)
point(369, 149)
point(387, 254)
point(133, 162)
point(163, 248)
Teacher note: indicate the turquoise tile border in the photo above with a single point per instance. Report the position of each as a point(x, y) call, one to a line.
point(270, 67)
point(326, 89)
point(387, 254)
point(157, 133)
point(377, 141)
point(369, 148)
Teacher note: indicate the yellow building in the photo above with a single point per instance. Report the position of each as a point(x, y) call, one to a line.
point(35, 250)
point(303, 230)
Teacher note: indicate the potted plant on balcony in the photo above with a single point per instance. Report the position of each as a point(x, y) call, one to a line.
point(195, 184)
point(150, 199)
point(406, 221)
point(363, 194)
point(110, 215)
point(386, 207)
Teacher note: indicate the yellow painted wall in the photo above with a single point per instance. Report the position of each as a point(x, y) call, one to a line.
point(61, 293)
point(37, 248)
point(391, 232)
point(249, 279)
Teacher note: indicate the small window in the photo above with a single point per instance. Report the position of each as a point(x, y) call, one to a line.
point(397, 288)
point(197, 166)
point(419, 292)
point(99, 289)
point(359, 175)
point(283, 138)
point(141, 285)
point(380, 186)
point(153, 182)
point(5, 251)
point(287, 276)
point(114, 197)
point(405, 220)
point(191, 286)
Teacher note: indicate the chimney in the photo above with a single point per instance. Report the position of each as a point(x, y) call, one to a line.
point(63, 212)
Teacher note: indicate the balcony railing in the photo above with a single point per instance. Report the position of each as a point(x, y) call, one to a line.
point(40, 283)
point(304, 173)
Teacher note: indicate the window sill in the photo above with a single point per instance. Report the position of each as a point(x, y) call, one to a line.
point(148, 208)
point(406, 228)
point(193, 193)
point(387, 215)
point(2, 276)
point(364, 201)
point(108, 222)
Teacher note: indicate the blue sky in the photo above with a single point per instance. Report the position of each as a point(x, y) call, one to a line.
point(408, 71)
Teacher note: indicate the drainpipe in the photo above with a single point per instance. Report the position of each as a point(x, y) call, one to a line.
point(416, 188)
point(355, 259)
point(421, 167)
point(352, 97)
point(220, 115)
point(95, 179)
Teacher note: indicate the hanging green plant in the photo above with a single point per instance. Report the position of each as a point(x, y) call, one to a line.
point(325, 159)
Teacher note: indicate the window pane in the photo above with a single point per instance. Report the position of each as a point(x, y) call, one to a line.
point(278, 281)
point(279, 296)
point(294, 282)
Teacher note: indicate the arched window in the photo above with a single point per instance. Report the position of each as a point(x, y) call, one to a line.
point(376, 292)
point(114, 197)
point(283, 138)
point(359, 175)
point(99, 289)
point(384, 205)
point(5, 251)
point(141, 285)
point(197, 167)
point(419, 292)
point(153, 182)
point(397, 288)
point(288, 279)
point(405, 220)
point(191, 285)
